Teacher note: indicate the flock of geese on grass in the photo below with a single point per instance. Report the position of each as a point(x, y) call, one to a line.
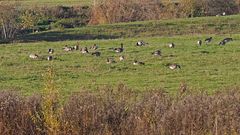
point(110, 60)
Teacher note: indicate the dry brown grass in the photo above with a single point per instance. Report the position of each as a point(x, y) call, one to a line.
point(123, 111)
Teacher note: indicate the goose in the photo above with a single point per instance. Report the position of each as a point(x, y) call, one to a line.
point(171, 45)
point(157, 53)
point(119, 50)
point(222, 42)
point(110, 61)
point(138, 63)
point(208, 40)
point(50, 58)
point(50, 51)
point(227, 39)
point(141, 43)
point(94, 47)
point(97, 54)
point(199, 42)
point(121, 58)
point(174, 66)
point(67, 49)
point(33, 56)
point(84, 50)
point(76, 47)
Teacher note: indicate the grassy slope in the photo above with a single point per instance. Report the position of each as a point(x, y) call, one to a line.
point(207, 67)
point(203, 25)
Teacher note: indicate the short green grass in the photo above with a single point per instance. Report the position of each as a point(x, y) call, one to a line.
point(209, 67)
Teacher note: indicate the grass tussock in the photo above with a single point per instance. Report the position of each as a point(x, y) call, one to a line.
point(123, 111)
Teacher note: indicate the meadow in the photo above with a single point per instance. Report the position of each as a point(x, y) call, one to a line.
point(208, 67)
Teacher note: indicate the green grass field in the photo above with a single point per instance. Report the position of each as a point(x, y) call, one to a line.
point(208, 68)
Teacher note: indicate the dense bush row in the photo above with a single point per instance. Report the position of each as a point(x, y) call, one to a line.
point(16, 19)
point(122, 111)
point(110, 11)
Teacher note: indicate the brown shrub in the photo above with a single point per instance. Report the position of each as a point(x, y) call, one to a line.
point(123, 111)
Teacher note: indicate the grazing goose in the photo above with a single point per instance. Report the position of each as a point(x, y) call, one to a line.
point(33, 56)
point(171, 45)
point(97, 54)
point(174, 66)
point(119, 50)
point(50, 51)
point(157, 53)
point(67, 49)
point(141, 43)
point(121, 58)
point(227, 39)
point(208, 40)
point(94, 47)
point(138, 63)
point(222, 42)
point(84, 50)
point(50, 58)
point(199, 42)
point(110, 61)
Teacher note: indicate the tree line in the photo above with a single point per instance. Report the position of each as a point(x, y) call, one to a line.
point(16, 19)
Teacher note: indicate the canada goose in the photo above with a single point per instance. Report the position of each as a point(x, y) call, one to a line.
point(94, 47)
point(84, 50)
point(157, 53)
point(50, 58)
point(67, 49)
point(119, 50)
point(171, 45)
point(97, 54)
point(199, 42)
point(227, 39)
point(141, 43)
point(76, 47)
point(121, 58)
point(110, 61)
point(222, 43)
point(138, 63)
point(174, 66)
point(33, 56)
point(50, 51)
point(208, 40)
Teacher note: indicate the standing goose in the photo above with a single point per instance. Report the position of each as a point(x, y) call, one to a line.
point(208, 40)
point(119, 50)
point(50, 51)
point(157, 53)
point(199, 42)
point(76, 47)
point(171, 45)
point(173, 66)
